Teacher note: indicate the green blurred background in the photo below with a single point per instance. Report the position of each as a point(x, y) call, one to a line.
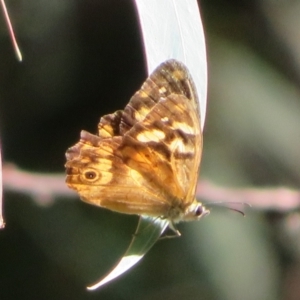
point(83, 59)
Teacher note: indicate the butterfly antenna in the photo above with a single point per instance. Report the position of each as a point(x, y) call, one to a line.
point(230, 206)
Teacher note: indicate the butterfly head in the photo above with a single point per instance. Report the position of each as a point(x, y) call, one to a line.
point(195, 211)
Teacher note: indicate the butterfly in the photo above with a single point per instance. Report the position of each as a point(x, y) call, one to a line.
point(145, 159)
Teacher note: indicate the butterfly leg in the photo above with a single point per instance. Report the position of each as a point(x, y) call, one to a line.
point(175, 235)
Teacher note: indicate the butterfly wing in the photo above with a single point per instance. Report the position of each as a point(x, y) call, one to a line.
point(144, 156)
point(166, 147)
point(96, 170)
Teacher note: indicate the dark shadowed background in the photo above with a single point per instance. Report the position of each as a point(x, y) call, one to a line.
point(83, 59)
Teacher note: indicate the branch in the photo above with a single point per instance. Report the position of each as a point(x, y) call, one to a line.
point(44, 188)
point(280, 199)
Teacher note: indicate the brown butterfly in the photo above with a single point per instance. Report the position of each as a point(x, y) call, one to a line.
point(145, 159)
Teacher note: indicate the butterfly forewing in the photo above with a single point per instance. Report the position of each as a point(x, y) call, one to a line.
point(167, 145)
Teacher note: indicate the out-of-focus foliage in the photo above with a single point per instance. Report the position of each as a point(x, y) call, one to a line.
point(83, 59)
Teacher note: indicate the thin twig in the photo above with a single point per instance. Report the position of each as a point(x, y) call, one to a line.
point(11, 31)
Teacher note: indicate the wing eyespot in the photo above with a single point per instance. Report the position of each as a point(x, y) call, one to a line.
point(91, 175)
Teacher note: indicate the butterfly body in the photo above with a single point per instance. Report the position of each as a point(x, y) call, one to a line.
point(145, 159)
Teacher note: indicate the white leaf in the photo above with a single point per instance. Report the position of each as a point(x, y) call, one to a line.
point(170, 29)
